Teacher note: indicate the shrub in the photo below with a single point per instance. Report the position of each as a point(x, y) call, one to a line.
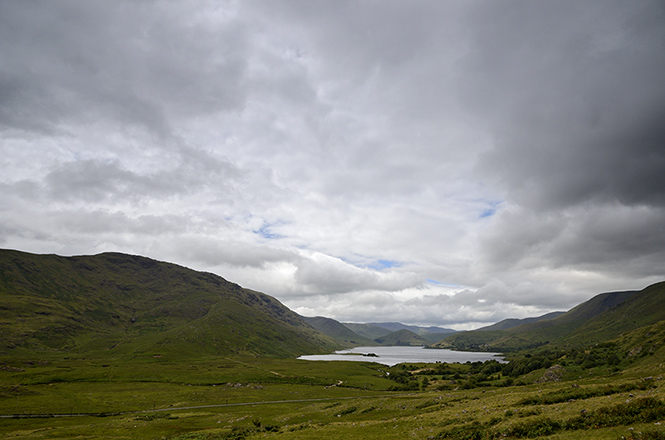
point(645, 435)
point(584, 393)
point(348, 410)
point(642, 410)
point(474, 431)
point(534, 428)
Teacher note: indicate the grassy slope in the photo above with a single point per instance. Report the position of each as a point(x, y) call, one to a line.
point(542, 332)
point(402, 337)
point(512, 322)
point(367, 330)
point(338, 331)
point(430, 334)
point(394, 326)
point(344, 334)
point(132, 304)
point(645, 308)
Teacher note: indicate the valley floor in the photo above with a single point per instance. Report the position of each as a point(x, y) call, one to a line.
point(229, 398)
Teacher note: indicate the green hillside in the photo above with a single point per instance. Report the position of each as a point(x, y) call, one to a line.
point(402, 337)
point(373, 334)
point(368, 331)
point(645, 308)
point(513, 322)
point(570, 328)
point(338, 331)
point(377, 330)
point(419, 330)
point(129, 304)
point(430, 334)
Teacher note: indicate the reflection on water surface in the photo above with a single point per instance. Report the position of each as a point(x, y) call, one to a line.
point(396, 355)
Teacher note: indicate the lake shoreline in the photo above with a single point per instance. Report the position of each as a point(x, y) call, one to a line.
point(393, 355)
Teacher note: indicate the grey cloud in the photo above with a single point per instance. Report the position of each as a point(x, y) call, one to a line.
point(98, 181)
point(577, 114)
point(321, 274)
point(205, 251)
point(603, 239)
point(135, 63)
point(431, 309)
point(81, 230)
point(101, 223)
point(617, 239)
point(513, 148)
point(579, 144)
point(94, 181)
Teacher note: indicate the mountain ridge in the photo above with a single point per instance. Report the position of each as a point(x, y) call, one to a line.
point(338, 331)
point(402, 337)
point(572, 328)
point(133, 304)
point(130, 305)
point(514, 322)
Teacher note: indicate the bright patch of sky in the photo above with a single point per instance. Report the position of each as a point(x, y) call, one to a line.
point(384, 264)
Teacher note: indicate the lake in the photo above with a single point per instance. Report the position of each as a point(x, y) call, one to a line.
point(393, 355)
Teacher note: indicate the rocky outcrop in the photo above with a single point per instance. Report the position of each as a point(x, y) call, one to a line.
point(552, 374)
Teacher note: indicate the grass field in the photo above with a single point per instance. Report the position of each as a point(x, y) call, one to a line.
point(238, 398)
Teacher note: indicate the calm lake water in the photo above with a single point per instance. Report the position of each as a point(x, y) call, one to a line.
point(396, 355)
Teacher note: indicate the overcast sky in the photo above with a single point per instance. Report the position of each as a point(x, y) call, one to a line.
point(447, 163)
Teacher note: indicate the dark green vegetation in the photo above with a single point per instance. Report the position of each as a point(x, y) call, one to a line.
point(115, 346)
point(368, 331)
point(134, 305)
point(604, 317)
point(338, 331)
point(380, 332)
point(402, 337)
point(512, 322)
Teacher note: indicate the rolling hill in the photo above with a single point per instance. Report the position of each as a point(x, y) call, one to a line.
point(513, 322)
point(403, 338)
point(372, 334)
point(367, 330)
point(430, 334)
point(338, 331)
point(605, 316)
point(128, 304)
point(419, 330)
point(378, 330)
point(643, 309)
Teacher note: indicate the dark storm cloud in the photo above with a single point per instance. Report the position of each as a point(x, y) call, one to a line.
point(574, 97)
point(74, 61)
point(96, 181)
point(577, 114)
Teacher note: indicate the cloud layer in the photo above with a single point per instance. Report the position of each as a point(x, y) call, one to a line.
point(450, 163)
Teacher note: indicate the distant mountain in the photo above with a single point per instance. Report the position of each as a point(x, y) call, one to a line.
point(368, 331)
point(394, 326)
point(402, 337)
point(512, 322)
point(132, 305)
point(603, 317)
point(369, 334)
point(431, 334)
point(338, 331)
